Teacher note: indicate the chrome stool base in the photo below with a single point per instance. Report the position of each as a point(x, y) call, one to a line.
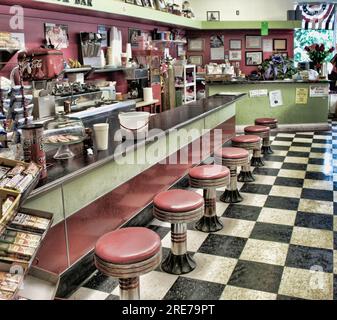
point(231, 196)
point(246, 176)
point(267, 150)
point(178, 265)
point(257, 162)
point(209, 224)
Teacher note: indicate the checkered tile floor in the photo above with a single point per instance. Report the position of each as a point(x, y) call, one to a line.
point(277, 244)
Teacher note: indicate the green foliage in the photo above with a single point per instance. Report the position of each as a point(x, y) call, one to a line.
point(305, 38)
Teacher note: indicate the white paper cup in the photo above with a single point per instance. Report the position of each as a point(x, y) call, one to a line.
point(102, 136)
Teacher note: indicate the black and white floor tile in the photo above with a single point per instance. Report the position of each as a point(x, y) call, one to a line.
point(280, 243)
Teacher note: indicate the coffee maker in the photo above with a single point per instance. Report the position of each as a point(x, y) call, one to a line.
point(137, 80)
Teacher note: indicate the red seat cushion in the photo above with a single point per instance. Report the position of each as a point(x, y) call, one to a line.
point(232, 153)
point(257, 129)
point(209, 172)
point(247, 139)
point(129, 245)
point(266, 121)
point(178, 201)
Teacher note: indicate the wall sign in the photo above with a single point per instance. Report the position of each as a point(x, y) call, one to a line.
point(302, 95)
point(276, 99)
point(319, 91)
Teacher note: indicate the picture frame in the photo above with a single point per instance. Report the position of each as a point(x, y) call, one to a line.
point(235, 44)
point(139, 3)
point(148, 4)
point(130, 1)
point(253, 42)
point(181, 50)
point(213, 15)
point(235, 55)
point(280, 44)
point(57, 35)
point(197, 44)
point(133, 34)
point(254, 58)
point(196, 59)
point(161, 5)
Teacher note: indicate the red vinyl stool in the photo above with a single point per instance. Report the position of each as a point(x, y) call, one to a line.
point(249, 143)
point(209, 178)
point(178, 207)
point(272, 123)
point(264, 133)
point(232, 158)
point(127, 254)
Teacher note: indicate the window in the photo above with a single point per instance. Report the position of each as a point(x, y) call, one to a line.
point(308, 37)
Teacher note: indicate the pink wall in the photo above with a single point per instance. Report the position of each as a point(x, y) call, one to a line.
point(34, 32)
point(236, 35)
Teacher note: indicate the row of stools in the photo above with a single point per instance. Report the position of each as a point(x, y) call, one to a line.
point(129, 253)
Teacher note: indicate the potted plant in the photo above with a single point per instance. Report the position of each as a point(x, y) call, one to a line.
point(277, 67)
point(318, 55)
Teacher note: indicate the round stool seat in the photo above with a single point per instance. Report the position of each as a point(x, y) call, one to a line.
point(209, 172)
point(257, 129)
point(209, 176)
point(246, 139)
point(178, 201)
point(266, 121)
point(128, 246)
point(232, 153)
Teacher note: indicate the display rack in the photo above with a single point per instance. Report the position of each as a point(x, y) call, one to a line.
point(187, 83)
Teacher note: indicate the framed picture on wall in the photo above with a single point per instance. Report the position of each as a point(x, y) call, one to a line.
point(149, 4)
point(254, 58)
point(280, 44)
point(197, 60)
point(253, 42)
point(235, 55)
point(57, 35)
point(235, 44)
point(133, 37)
point(139, 3)
point(181, 50)
point(196, 44)
point(213, 15)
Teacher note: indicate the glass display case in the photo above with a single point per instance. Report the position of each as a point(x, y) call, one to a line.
point(63, 132)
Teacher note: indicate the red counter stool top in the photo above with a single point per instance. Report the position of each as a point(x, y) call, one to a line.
point(209, 172)
point(178, 207)
point(231, 153)
point(127, 254)
point(257, 129)
point(268, 122)
point(246, 139)
point(265, 121)
point(209, 178)
point(264, 133)
point(129, 245)
point(178, 201)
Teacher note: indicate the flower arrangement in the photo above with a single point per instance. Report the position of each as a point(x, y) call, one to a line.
point(277, 67)
point(318, 54)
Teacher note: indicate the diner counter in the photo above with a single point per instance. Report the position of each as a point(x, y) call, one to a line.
point(93, 195)
point(296, 111)
point(246, 81)
point(60, 172)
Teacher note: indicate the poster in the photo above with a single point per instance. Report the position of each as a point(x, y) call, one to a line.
point(217, 47)
point(267, 45)
point(103, 31)
point(57, 35)
point(319, 91)
point(302, 95)
point(258, 93)
point(276, 99)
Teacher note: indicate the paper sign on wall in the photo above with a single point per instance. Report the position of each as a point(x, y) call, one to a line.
point(258, 93)
point(319, 91)
point(275, 98)
point(302, 95)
